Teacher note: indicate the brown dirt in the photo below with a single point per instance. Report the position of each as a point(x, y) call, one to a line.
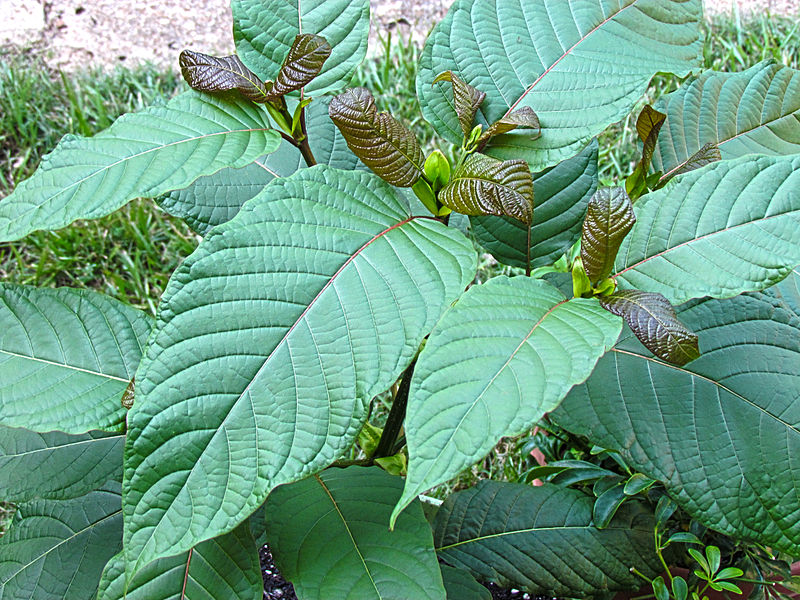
point(80, 33)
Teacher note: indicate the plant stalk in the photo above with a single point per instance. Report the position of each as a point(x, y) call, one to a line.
point(397, 415)
point(305, 148)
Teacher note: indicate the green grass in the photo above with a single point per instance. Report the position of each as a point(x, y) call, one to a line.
point(131, 254)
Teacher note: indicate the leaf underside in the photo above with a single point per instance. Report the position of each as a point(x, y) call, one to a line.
point(728, 433)
point(728, 228)
point(536, 531)
point(487, 186)
point(535, 54)
point(756, 111)
point(560, 197)
point(384, 144)
point(503, 356)
point(142, 154)
point(66, 357)
point(288, 279)
point(340, 517)
point(264, 31)
point(609, 218)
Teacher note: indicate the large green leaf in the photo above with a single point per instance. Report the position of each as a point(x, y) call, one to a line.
point(66, 357)
point(226, 567)
point(339, 518)
point(56, 465)
point(148, 153)
point(503, 356)
point(460, 585)
point(756, 111)
point(579, 64)
point(217, 198)
point(542, 539)
point(265, 30)
point(728, 228)
point(787, 292)
point(56, 550)
point(560, 196)
point(271, 339)
point(722, 433)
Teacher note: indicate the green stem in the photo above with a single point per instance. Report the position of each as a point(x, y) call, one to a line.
point(657, 537)
point(394, 422)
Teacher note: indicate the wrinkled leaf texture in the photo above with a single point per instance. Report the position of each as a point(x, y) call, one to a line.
point(727, 431)
point(217, 198)
point(264, 31)
point(66, 357)
point(303, 63)
point(339, 517)
point(728, 228)
point(146, 154)
point(503, 356)
point(560, 197)
point(466, 100)
point(580, 65)
point(542, 539)
point(609, 218)
point(270, 341)
point(756, 111)
point(206, 73)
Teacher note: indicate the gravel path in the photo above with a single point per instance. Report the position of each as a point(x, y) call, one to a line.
point(80, 33)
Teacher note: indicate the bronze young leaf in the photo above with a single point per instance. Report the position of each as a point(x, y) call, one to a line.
point(206, 73)
point(652, 319)
point(524, 118)
point(648, 125)
point(487, 186)
point(466, 98)
point(378, 139)
point(303, 63)
point(708, 154)
point(609, 218)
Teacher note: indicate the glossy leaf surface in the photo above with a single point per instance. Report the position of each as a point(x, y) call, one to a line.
point(756, 111)
point(146, 154)
point(223, 567)
point(728, 228)
point(487, 186)
point(536, 531)
point(727, 437)
point(340, 518)
point(560, 197)
point(609, 218)
point(56, 550)
point(217, 198)
point(503, 356)
point(56, 465)
point(206, 73)
point(303, 63)
point(263, 362)
point(580, 65)
point(66, 357)
point(384, 144)
point(264, 31)
point(653, 320)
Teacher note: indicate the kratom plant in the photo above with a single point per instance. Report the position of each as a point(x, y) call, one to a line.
point(151, 458)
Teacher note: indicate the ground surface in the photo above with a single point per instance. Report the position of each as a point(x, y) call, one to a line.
point(79, 33)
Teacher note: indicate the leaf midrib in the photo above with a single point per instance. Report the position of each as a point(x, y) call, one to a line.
point(559, 528)
point(64, 366)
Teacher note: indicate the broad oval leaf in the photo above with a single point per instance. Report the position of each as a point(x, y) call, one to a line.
point(560, 197)
point(756, 111)
point(325, 264)
point(461, 585)
point(217, 198)
point(329, 537)
point(503, 356)
point(56, 465)
point(56, 549)
point(218, 569)
point(148, 153)
point(728, 228)
point(653, 320)
point(723, 432)
point(384, 144)
point(526, 537)
point(580, 65)
point(264, 31)
point(609, 218)
point(487, 186)
point(303, 63)
point(206, 73)
point(66, 358)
